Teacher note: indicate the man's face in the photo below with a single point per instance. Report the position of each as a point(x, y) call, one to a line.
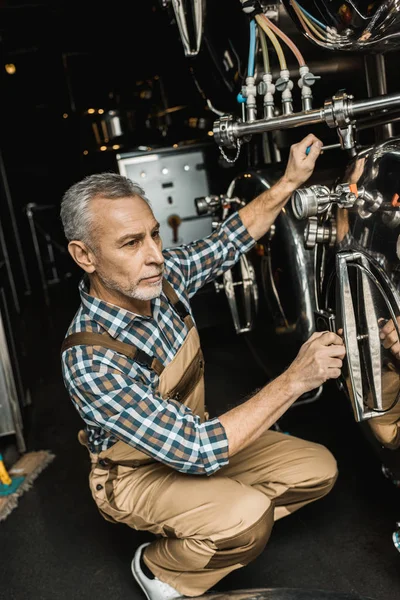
point(127, 247)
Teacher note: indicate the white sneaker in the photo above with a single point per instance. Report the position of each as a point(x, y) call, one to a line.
point(153, 588)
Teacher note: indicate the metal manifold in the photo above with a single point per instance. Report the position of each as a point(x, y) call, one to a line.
point(338, 112)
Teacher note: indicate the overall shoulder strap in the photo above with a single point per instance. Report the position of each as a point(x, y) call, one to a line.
point(88, 338)
point(179, 307)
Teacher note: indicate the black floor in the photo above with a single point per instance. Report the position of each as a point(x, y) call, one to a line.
point(55, 545)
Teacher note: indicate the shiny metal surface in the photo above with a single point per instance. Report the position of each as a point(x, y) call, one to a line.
point(191, 41)
point(11, 421)
point(360, 321)
point(247, 283)
point(296, 265)
point(287, 266)
point(315, 233)
point(308, 202)
point(378, 31)
point(387, 129)
point(337, 112)
point(239, 283)
point(371, 295)
point(364, 211)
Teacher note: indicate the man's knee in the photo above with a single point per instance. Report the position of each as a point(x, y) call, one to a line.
point(252, 519)
point(323, 468)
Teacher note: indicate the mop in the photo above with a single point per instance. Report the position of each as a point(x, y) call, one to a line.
point(7, 485)
point(19, 479)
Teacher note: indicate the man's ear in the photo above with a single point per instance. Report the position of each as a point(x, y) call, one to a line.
point(82, 255)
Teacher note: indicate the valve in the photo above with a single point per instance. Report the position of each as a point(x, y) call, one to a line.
point(307, 79)
point(309, 202)
point(319, 234)
point(209, 205)
point(285, 85)
point(267, 89)
point(368, 202)
point(249, 92)
point(392, 220)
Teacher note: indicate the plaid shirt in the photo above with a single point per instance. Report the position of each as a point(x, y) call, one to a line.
point(116, 397)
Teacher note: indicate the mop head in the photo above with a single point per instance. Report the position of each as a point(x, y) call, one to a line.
point(20, 478)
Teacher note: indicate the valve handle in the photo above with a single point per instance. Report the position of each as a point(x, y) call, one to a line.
point(309, 79)
point(281, 84)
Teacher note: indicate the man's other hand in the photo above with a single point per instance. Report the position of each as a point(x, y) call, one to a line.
point(389, 337)
point(300, 164)
point(320, 358)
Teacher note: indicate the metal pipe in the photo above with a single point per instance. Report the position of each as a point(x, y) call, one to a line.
point(393, 117)
point(381, 74)
point(331, 147)
point(387, 129)
point(358, 107)
point(282, 122)
point(368, 76)
point(238, 129)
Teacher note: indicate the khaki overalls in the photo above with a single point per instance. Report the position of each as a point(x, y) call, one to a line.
point(205, 526)
point(386, 427)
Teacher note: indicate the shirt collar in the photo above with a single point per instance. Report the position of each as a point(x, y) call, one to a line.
point(111, 317)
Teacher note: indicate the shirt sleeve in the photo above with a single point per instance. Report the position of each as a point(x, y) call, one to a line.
point(203, 260)
point(165, 430)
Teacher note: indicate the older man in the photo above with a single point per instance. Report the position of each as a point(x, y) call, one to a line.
point(208, 489)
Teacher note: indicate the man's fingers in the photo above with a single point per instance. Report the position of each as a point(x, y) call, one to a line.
point(309, 140)
point(309, 148)
point(334, 373)
point(336, 351)
point(395, 349)
point(335, 363)
point(316, 335)
point(390, 339)
point(387, 328)
point(329, 338)
point(315, 150)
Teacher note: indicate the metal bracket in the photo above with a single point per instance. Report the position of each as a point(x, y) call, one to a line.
point(363, 347)
point(249, 287)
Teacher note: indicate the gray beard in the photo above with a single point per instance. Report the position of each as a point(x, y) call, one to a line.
point(134, 292)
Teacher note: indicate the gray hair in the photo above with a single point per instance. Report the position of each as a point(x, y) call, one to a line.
point(75, 214)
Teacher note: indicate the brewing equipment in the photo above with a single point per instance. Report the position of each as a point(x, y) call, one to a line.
point(337, 241)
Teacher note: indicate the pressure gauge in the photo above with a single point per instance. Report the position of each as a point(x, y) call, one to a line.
point(308, 202)
point(304, 203)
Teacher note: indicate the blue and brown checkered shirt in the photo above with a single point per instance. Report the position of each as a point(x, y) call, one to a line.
point(117, 397)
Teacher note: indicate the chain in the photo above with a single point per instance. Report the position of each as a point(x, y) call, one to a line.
point(232, 160)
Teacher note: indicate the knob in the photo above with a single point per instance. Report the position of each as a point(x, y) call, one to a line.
point(281, 84)
point(309, 79)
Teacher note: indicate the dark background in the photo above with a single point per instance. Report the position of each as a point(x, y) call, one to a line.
point(72, 56)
